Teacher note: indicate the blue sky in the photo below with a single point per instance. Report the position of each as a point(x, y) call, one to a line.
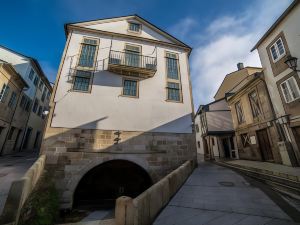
point(221, 32)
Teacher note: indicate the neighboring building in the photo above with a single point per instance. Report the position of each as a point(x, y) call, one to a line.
point(215, 138)
point(122, 105)
point(13, 114)
point(280, 42)
point(214, 131)
point(35, 98)
point(253, 119)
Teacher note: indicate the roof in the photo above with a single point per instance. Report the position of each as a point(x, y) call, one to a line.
point(134, 16)
point(229, 74)
point(36, 65)
point(206, 106)
point(277, 22)
point(9, 66)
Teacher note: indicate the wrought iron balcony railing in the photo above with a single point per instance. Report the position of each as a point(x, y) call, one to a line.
point(128, 63)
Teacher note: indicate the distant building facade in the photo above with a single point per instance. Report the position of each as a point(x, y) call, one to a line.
point(32, 101)
point(279, 43)
point(122, 100)
point(253, 118)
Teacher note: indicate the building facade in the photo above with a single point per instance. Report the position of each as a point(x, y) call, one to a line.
point(214, 131)
point(279, 43)
point(122, 99)
point(34, 100)
point(13, 114)
point(253, 119)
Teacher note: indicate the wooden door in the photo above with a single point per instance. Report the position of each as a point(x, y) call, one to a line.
point(264, 145)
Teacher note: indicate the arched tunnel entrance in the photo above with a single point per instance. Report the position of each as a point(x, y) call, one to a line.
point(102, 185)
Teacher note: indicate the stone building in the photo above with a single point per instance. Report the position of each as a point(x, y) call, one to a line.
point(121, 114)
point(13, 114)
point(35, 99)
point(253, 119)
point(280, 43)
point(215, 134)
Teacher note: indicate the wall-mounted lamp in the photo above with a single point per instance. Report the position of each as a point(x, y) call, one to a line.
point(292, 63)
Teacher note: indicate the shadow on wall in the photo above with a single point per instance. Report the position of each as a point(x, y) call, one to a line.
point(71, 153)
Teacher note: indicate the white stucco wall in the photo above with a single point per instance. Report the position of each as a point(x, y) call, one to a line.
point(199, 136)
point(291, 29)
point(105, 108)
point(22, 66)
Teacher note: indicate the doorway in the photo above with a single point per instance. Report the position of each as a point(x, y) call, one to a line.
point(264, 145)
point(27, 137)
point(226, 147)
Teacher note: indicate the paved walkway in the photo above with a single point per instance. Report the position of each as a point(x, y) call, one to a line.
point(269, 168)
point(215, 195)
point(13, 167)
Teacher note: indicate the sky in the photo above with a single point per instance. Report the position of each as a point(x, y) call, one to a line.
point(221, 32)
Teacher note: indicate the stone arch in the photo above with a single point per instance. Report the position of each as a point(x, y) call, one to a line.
point(106, 180)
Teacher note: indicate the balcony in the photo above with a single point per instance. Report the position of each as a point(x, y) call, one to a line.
point(132, 64)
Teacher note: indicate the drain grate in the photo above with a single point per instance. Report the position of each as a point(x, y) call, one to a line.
point(226, 183)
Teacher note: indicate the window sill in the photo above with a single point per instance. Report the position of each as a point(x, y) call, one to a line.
point(134, 32)
point(129, 96)
point(85, 92)
point(168, 100)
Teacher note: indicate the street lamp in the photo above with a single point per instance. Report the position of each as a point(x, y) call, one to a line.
point(292, 63)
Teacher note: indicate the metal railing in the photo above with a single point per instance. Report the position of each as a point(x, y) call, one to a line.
point(132, 60)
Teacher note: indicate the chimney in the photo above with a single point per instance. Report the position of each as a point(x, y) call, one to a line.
point(240, 66)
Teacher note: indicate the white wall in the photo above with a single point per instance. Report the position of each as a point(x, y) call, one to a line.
point(199, 136)
point(291, 29)
point(105, 108)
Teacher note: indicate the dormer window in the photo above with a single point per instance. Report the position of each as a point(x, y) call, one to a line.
point(277, 50)
point(134, 27)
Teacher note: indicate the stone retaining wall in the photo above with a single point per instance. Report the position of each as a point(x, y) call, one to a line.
point(143, 209)
point(19, 192)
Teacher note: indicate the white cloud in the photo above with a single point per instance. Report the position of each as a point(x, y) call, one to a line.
point(228, 40)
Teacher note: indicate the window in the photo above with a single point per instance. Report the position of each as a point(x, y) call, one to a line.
point(245, 140)
point(130, 87)
point(40, 111)
point(4, 92)
point(277, 50)
point(48, 95)
point(11, 132)
point(254, 102)
point(82, 80)
point(44, 94)
point(172, 66)
point(36, 80)
point(88, 53)
point(12, 100)
point(31, 74)
point(41, 85)
point(132, 55)
point(135, 27)
point(199, 145)
point(35, 105)
point(213, 141)
point(290, 90)
point(173, 77)
point(173, 91)
point(28, 105)
point(239, 112)
point(23, 102)
point(197, 128)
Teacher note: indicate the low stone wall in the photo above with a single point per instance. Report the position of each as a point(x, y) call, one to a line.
point(143, 209)
point(19, 192)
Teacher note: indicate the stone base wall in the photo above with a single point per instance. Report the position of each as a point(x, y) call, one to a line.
point(71, 153)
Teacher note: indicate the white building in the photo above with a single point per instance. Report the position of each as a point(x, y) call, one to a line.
point(279, 43)
point(122, 92)
point(36, 96)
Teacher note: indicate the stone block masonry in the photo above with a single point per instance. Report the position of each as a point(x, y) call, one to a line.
point(71, 153)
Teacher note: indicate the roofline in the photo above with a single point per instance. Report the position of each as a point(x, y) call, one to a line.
point(14, 71)
point(277, 22)
point(209, 104)
point(35, 62)
point(134, 15)
point(247, 67)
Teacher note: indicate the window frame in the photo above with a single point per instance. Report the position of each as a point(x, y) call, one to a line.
point(289, 89)
point(237, 114)
point(132, 31)
point(254, 104)
point(137, 87)
point(90, 81)
point(13, 100)
point(4, 92)
point(245, 138)
point(277, 50)
point(78, 67)
point(31, 74)
point(171, 80)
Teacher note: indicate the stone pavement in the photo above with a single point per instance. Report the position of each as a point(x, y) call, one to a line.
point(13, 167)
point(215, 195)
point(287, 172)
